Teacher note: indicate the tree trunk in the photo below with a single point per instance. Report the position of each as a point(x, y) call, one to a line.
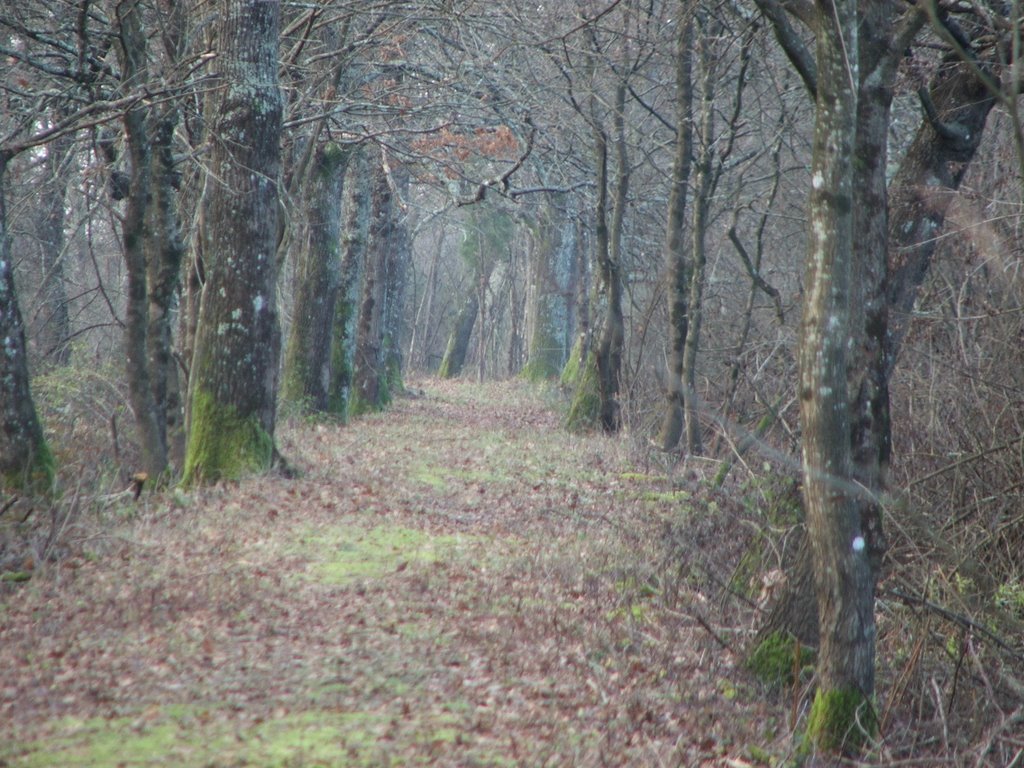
point(842, 717)
point(516, 315)
point(357, 228)
point(420, 337)
point(706, 183)
point(482, 329)
point(135, 234)
point(609, 346)
point(928, 176)
point(458, 342)
point(165, 251)
point(234, 372)
point(52, 325)
point(369, 378)
point(549, 293)
point(26, 464)
point(398, 255)
point(957, 107)
point(595, 401)
point(153, 250)
point(579, 299)
point(677, 264)
point(307, 365)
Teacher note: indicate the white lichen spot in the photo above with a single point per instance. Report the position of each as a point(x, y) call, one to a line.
point(824, 392)
point(858, 543)
point(817, 180)
point(236, 314)
point(833, 322)
point(257, 303)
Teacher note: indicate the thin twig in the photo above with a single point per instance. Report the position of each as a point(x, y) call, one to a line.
point(956, 618)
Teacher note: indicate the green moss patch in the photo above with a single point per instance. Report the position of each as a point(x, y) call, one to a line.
point(346, 554)
point(640, 477)
point(841, 721)
point(224, 445)
point(775, 659)
point(665, 497)
point(585, 410)
point(177, 736)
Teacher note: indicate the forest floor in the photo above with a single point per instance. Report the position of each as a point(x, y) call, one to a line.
point(455, 582)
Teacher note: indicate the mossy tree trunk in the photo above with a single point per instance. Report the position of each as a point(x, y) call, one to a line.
point(369, 376)
point(896, 238)
point(26, 464)
point(603, 365)
point(233, 385)
point(549, 290)
point(307, 365)
point(842, 716)
point(357, 228)
point(398, 256)
point(458, 342)
point(165, 252)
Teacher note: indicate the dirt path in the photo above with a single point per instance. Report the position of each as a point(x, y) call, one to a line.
point(454, 582)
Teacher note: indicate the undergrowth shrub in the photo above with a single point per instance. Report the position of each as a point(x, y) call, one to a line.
point(89, 427)
point(84, 410)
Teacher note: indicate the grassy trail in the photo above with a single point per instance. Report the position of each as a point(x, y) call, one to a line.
point(456, 582)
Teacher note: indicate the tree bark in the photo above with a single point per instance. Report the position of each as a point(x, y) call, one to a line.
point(52, 325)
point(369, 377)
point(595, 401)
point(706, 183)
point(135, 234)
point(165, 252)
point(26, 464)
point(677, 264)
point(958, 105)
point(549, 292)
point(153, 247)
point(357, 228)
point(897, 237)
point(234, 372)
point(842, 716)
point(307, 365)
point(398, 255)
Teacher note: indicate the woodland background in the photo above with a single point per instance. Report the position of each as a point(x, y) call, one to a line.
point(506, 189)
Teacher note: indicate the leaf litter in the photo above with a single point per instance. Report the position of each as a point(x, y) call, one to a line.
point(454, 582)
